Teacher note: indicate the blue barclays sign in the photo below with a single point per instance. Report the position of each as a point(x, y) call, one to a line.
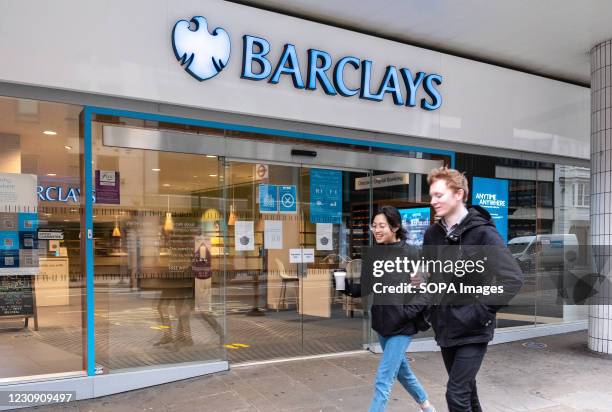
point(204, 54)
point(59, 194)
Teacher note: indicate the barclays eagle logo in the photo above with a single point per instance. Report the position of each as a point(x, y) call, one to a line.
point(203, 54)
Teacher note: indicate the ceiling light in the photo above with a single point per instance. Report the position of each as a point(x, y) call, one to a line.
point(194, 176)
point(51, 174)
point(156, 169)
point(212, 175)
point(211, 156)
point(50, 132)
point(68, 147)
point(166, 185)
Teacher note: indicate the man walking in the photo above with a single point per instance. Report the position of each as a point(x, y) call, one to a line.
point(464, 330)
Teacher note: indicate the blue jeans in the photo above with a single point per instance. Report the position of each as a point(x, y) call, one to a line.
point(393, 364)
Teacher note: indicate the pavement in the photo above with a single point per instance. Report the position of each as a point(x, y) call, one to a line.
point(556, 374)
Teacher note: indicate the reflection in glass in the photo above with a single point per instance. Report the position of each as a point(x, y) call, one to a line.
point(158, 244)
point(548, 227)
point(41, 281)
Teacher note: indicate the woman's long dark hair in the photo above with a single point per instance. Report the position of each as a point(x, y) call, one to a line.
point(394, 219)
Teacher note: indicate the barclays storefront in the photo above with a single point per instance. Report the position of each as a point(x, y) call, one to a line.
point(179, 182)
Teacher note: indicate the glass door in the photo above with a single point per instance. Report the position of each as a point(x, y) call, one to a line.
point(158, 231)
point(290, 228)
point(264, 218)
point(336, 210)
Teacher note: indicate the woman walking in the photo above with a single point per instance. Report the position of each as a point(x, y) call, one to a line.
point(394, 329)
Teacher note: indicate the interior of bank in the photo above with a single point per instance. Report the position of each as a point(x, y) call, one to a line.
point(222, 244)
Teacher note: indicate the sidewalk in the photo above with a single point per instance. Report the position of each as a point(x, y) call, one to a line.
point(562, 377)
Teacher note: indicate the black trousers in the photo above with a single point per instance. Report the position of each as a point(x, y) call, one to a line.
point(462, 364)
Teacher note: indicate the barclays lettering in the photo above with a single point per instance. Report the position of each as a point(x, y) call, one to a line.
point(256, 66)
point(204, 54)
point(59, 194)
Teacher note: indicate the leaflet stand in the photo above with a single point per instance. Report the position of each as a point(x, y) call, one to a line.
point(19, 207)
point(26, 315)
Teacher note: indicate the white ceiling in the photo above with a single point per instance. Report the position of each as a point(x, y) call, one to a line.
point(548, 37)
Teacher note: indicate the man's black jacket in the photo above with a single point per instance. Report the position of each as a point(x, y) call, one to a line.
point(472, 321)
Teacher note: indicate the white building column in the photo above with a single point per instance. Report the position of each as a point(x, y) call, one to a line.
point(600, 312)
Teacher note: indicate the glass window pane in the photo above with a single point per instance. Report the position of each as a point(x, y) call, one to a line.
point(158, 243)
point(41, 281)
point(563, 258)
point(523, 200)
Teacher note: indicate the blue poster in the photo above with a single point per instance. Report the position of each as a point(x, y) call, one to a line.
point(28, 222)
point(492, 195)
point(268, 198)
point(287, 199)
point(9, 241)
point(28, 240)
point(415, 221)
point(325, 196)
point(9, 258)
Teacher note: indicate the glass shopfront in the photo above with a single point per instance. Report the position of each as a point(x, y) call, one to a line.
point(222, 244)
point(210, 242)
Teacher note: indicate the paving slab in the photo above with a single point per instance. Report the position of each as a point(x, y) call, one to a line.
point(561, 377)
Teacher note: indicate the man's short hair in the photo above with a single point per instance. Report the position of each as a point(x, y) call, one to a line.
point(453, 178)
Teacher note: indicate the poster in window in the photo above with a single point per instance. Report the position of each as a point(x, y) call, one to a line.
point(244, 235)
point(108, 187)
point(416, 221)
point(492, 195)
point(325, 196)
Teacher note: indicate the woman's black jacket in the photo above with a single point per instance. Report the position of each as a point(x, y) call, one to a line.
point(389, 320)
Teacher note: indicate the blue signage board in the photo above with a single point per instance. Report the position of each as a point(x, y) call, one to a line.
point(268, 198)
point(28, 222)
point(287, 199)
point(9, 240)
point(9, 258)
point(325, 196)
point(492, 195)
point(416, 221)
point(28, 240)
